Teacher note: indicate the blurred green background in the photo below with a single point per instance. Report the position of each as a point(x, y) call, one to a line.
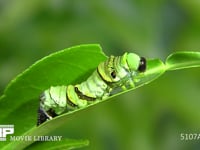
point(149, 118)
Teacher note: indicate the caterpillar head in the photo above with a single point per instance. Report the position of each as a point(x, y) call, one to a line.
point(135, 62)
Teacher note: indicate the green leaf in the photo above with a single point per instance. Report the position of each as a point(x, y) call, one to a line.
point(20, 101)
point(65, 67)
point(183, 59)
point(154, 70)
point(66, 144)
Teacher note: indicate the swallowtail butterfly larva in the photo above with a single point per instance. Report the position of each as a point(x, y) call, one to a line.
point(114, 73)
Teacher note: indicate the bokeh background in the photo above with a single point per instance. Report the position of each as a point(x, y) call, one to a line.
point(149, 118)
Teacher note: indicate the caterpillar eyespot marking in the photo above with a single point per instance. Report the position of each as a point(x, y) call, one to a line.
point(111, 75)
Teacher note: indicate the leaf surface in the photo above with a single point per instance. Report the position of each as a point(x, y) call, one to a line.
point(20, 101)
point(183, 59)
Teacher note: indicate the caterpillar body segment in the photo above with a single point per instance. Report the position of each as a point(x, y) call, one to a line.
point(111, 75)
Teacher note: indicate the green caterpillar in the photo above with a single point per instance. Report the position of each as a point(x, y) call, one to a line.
point(111, 75)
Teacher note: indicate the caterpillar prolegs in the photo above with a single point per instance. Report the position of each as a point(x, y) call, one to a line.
point(110, 75)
